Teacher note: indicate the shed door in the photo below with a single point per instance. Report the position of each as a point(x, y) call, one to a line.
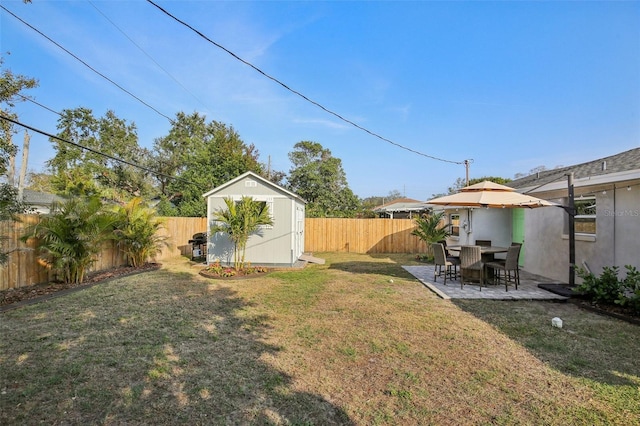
point(299, 238)
point(517, 231)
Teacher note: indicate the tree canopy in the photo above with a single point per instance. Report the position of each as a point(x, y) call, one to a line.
point(318, 177)
point(202, 155)
point(79, 171)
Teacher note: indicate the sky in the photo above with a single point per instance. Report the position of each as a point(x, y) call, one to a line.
point(509, 86)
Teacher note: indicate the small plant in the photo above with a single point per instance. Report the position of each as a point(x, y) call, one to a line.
point(431, 228)
point(607, 288)
point(216, 269)
point(630, 295)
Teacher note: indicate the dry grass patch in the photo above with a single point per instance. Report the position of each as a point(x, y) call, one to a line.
point(354, 341)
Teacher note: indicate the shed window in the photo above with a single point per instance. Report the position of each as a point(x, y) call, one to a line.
point(269, 204)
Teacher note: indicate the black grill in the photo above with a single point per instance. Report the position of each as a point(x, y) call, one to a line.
point(198, 245)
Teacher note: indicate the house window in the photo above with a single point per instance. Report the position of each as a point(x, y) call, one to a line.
point(454, 225)
point(250, 184)
point(585, 219)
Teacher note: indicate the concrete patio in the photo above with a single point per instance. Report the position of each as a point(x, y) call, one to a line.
point(527, 290)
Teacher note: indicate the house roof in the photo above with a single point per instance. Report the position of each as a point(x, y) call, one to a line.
point(34, 198)
point(617, 164)
point(402, 205)
point(258, 178)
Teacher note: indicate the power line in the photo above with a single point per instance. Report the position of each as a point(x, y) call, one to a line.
point(51, 136)
point(146, 54)
point(86, 64)
point(39, 104)
point(298, 93)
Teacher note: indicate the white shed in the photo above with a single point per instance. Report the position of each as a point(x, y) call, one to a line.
point(280, 244)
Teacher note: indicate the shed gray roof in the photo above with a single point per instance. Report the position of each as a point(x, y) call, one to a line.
point(622, 162)
point(256, 177)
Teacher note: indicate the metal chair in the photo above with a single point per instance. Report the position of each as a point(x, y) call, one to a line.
point(441, 260)
point(507, 266)
point(470, 260)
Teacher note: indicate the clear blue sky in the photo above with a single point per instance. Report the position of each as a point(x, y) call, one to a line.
point(511, 85)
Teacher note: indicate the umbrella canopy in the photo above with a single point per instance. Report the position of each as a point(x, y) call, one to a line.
point(490, 194)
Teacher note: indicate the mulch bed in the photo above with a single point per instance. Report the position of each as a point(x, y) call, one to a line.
point(240, 275)
point(39, 291)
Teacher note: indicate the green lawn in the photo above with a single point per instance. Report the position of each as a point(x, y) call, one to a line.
point(354, 341)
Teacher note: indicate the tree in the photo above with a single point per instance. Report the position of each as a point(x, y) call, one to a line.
point(240, 220)
point(136, 231)
point(430, 229)
point(202, 156)
point(81, 172)
point(318, 177)
point(70, 238)
point(369, 203)
point(11, 86)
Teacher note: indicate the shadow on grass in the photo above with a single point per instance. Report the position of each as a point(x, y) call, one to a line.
point(589, 346)
point(379, 268)
point(163, 348)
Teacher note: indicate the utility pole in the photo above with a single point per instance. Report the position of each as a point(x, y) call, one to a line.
point(466, 167)
point(23, 168)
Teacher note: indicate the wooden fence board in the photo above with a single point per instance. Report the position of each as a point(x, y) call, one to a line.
point(321, 235)
point(361, 235)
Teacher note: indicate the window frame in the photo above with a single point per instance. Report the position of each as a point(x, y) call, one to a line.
point(586, 218)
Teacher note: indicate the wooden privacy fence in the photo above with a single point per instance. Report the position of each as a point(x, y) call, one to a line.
point(321, 235)
point(25, 269)
point(362, 235)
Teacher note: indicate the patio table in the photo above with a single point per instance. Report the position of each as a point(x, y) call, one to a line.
point(487, 253)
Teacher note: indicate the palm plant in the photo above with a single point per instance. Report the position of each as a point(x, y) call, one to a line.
point(239, 221)
point(136, 232)
point(70, 238)
point(431, 229)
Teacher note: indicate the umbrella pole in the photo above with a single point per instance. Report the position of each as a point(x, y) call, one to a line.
point(572, 231)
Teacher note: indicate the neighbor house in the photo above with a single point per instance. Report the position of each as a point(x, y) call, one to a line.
point(40, 202)
point(402, 208)
point(280, 244)
point(607, 221)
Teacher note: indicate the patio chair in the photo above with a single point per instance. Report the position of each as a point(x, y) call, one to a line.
point(470, 262)
point(442, 260)
point(483, 243)
point(446, 251)
point(507, 266)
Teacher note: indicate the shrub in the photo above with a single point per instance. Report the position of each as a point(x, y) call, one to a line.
point(607, 288)
point(69, 239)
point(630, 295)
point(136, 232)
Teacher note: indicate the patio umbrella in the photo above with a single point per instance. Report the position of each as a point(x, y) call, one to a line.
point(490, 194)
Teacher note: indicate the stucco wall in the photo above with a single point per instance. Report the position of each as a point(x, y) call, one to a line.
point(485, 224)
point(616, 243)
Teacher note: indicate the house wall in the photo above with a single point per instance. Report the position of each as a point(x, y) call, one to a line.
point(485, 224)
point(626, 214)
point(616, 242)
point(272, 245)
